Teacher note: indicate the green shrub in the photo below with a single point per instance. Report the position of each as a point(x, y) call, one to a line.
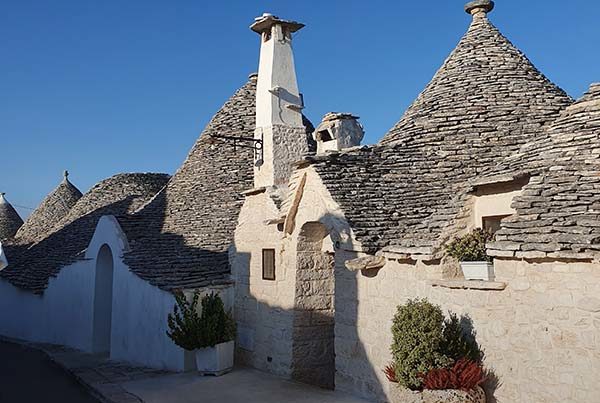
point(217, 325)
point(191, 330)
point(470, 247)
point(417, 339)
point(424, 340)
point(184, 322)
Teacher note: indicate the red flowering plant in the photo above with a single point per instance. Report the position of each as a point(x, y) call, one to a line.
point(431, 351)
point(465, 375)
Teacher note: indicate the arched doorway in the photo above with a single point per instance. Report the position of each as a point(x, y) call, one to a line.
point(313, 354)
point(103, 300)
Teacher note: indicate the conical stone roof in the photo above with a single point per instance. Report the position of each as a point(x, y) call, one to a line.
point(32, 266)
point(485, 101)
point(406, 193)
point(10, 221)
point(52, 209)
point(558, 211)
point(182, 237)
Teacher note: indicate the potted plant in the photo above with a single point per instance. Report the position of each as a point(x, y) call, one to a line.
point(435, 360)
point(210, 333)
point(470, 251)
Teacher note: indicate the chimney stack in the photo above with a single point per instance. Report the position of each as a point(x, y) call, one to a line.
point(279, 104)
point(338, 131)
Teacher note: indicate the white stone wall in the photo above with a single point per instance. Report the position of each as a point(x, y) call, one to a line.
point(64, 313)
point(263, 308)
point(541, 335)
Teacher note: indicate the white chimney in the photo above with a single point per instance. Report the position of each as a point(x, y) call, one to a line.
point(278, 103)
point(338, 131)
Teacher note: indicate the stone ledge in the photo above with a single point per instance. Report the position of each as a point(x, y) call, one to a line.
point(253, 191)
point(469, 284)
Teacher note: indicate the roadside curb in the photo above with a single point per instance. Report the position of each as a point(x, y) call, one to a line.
point(99, 376)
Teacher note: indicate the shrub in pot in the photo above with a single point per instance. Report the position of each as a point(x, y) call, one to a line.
point(470, 251)
point(434, 358)
point(210, 334)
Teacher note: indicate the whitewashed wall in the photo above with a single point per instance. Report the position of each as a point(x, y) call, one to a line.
point(64, 313)
point(264, 309)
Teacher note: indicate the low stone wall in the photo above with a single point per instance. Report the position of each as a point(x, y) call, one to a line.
point(403, 395)
point(541, 334)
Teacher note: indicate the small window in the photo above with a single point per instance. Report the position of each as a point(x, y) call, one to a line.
point(492, 223)
point(268, 264)
point(324, 135)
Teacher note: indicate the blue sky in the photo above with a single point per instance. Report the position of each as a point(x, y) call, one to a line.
point(102, 87)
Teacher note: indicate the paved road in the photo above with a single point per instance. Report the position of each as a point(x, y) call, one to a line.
point(243, 385)
point(27, 375)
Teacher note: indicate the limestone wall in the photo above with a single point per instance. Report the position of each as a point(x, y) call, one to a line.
point(541, 335)
point(263, 308)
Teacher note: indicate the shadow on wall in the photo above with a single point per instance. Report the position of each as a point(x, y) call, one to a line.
point(492, 381)
point(31, 266)
point(159, 256)
point(320, 334)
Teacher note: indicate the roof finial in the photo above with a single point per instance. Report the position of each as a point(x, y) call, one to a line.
point(479, 6)
point(66, 175)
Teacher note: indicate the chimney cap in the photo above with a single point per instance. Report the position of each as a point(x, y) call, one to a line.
point(267, 20)
point(339, 116)
point(477, 6)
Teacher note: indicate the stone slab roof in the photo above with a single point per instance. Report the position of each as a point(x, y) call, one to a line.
point(558, 212)
point(487, 94)
point(406, 194)
point(51, 211)
point(32, 265)
point(10, 220)
point(392, 195)
point(181, 238)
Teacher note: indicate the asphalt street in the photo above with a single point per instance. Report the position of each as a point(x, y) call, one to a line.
point(27, 375)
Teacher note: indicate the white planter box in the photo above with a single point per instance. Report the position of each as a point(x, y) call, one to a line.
point(216, 360)
point(478, 270)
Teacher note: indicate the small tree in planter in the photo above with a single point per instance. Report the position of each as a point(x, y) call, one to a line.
point(470, 251)
point(210, 334)
point(434, 360)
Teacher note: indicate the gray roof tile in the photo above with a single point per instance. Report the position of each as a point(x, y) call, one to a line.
point(10, 220)
point(32, 265)
point(49, 213)
point(558, 212)
point(484, 103)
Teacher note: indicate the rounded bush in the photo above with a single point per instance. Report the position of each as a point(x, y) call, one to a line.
point(423, 340)
point(417, 337)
